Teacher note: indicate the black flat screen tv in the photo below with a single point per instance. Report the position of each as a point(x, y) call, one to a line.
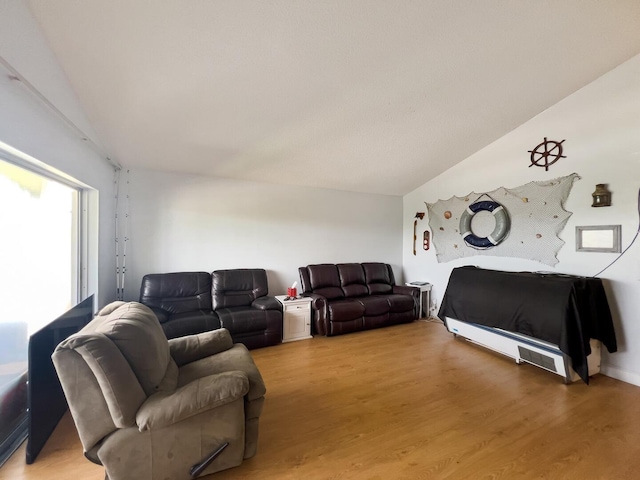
point(45, 399)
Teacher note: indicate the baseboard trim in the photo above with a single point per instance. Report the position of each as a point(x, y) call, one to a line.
point(620, 374)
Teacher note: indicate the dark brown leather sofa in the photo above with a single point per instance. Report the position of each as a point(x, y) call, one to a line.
point(187, 303)
point(349, 297)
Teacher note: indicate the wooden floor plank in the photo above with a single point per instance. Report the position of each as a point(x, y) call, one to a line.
point(411, 402)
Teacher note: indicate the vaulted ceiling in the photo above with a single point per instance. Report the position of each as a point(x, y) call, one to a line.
point(374, 96)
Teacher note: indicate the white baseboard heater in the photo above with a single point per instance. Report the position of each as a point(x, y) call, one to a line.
point(523, 348)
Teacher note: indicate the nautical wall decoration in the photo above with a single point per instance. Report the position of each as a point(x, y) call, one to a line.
point(426, 240)
point(601, 196)
point(549, 152)
point(419, 215)
point(498, 234)
point(521, 222)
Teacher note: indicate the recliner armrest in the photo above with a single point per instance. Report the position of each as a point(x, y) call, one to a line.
point(194, 347)
point(266, 303)
point(206, 393)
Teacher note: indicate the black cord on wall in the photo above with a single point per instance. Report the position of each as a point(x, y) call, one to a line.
point(632, 242)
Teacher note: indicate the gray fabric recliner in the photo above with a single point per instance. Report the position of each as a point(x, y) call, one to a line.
point(149, 409)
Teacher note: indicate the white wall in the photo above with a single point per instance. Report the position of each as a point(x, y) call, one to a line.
point(27, 125)
point(181, 222)
point(601, 125)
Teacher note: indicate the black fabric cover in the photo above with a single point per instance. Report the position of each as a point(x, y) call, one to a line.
point(562, 309)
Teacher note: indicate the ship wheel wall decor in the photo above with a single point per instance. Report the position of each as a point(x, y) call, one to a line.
point(549, 152)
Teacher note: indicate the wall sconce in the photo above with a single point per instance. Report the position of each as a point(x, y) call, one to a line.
point(602, 196)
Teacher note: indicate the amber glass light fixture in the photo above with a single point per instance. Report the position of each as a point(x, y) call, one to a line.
point(602, 196)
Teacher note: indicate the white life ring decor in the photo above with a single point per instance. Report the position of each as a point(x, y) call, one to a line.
point(499, 233)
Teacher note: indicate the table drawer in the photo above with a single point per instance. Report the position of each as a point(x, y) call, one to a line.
point(304, 307)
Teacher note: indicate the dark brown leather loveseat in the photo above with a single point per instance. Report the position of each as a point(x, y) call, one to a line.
point(348, 297)
point(187, 303)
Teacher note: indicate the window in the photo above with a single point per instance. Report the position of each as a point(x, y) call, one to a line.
point(39, 273)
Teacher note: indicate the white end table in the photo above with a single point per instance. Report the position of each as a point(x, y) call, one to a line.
point(296, 318)
point(425, 296)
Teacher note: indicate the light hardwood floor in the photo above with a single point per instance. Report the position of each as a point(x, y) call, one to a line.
point(411, 402)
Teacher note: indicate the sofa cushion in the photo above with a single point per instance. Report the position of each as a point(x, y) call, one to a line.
point(239, 287)
point(325, 281)
point(378, 278)
point(190, 323)
point(399, 303)
point(177, 292)
point(135, 330)
point(242, 319)
point(374, 305)
point(120, 389)
point(352, 279)
point(345, 310)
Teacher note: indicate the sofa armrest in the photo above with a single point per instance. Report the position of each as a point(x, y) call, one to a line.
point(414, 292)
point(206, 393)
point(194, 347)
point(406, 290)
point(318, 302)
point(266, 303)
point(320, 315)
